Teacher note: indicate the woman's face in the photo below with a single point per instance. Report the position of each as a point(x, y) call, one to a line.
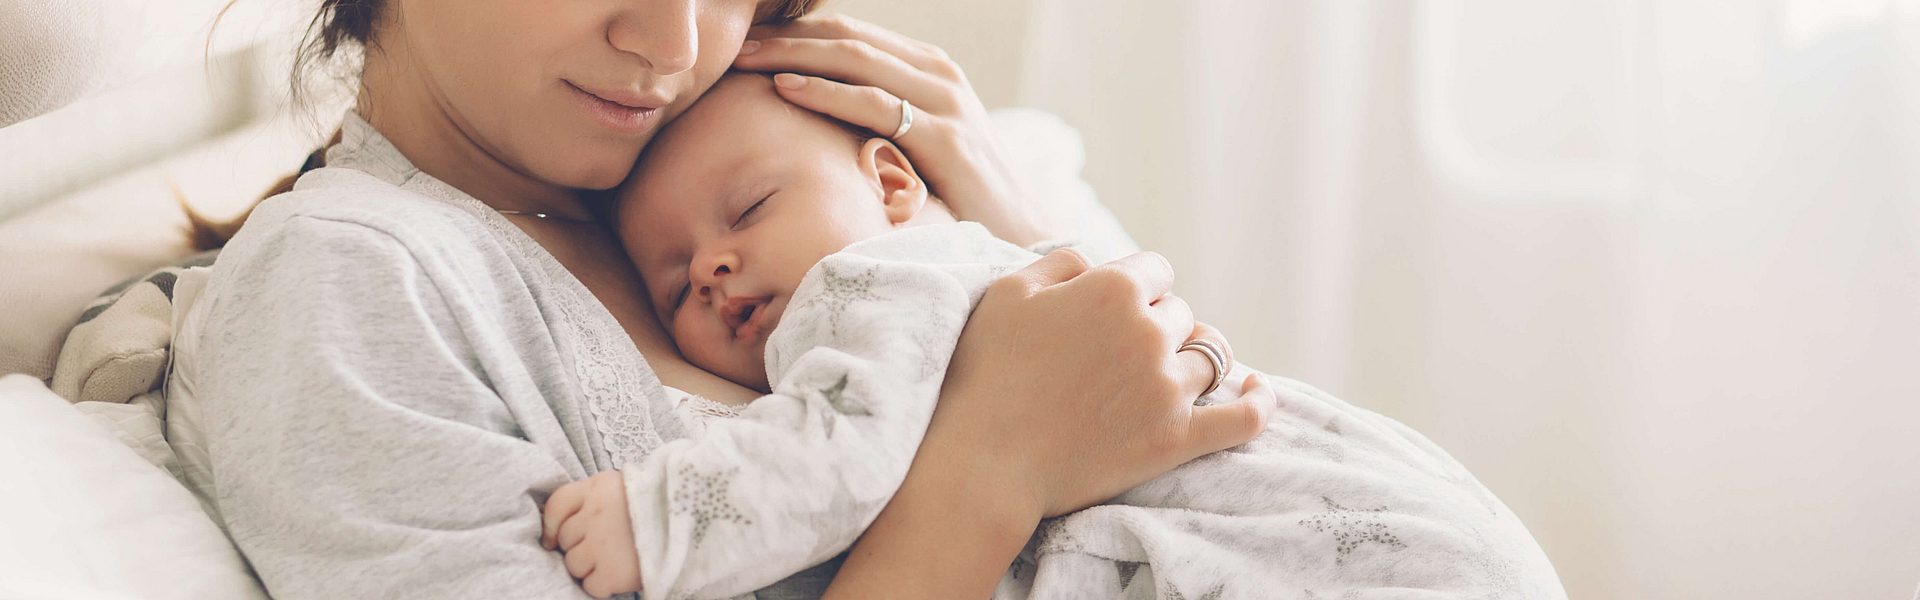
point(565, 92)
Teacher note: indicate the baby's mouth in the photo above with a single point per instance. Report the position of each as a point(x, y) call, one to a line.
point(747, 317)
point(747, 314)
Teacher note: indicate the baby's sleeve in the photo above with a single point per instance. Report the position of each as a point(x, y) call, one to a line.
point(857, 362)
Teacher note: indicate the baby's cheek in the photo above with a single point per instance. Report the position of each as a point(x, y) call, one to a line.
point(688, 337)
point(698, 344)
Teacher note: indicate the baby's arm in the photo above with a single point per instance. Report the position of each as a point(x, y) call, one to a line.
point(858, 360)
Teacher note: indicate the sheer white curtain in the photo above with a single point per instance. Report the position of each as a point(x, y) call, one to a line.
point(1651, 268)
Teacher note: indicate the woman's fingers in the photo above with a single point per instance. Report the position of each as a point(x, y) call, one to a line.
point(1198, 372)
point(921, 55)
point(1055, 268)
point(866, 106)
point(1222, 426)
point(1146, 275)
point(954, 145)
point(562, 504)
point(1175, 320)
point(850, 61)
point(1207, 332)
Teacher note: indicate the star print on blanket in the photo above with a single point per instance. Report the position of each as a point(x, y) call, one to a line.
point(704, 497)
point(839, 290)
point(1332, 501)
point(1352, 528)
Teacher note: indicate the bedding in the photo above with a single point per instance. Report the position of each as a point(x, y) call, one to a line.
point(84, 516)
point(119, 348)
point(58, 256)
point(1331, 501)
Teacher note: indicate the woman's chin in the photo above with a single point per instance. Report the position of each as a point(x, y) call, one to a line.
point(603, 171)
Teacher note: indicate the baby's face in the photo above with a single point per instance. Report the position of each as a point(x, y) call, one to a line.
point(733, 203)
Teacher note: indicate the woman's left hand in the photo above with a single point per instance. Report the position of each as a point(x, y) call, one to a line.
point(859, 73)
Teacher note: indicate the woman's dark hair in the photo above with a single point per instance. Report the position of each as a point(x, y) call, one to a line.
point(348, 26)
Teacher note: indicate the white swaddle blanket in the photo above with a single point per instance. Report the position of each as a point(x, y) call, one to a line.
point(1332, 501)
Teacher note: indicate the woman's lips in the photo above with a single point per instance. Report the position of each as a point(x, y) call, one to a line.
point(623, 112)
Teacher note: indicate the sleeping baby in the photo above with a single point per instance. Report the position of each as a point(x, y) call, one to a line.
point(795, 255)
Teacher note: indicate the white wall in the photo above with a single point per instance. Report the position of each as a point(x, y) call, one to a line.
point(985, 36)
point(152, 77)
point(1651, 268)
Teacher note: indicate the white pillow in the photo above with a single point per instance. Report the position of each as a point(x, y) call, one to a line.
point(84, 516)
point(1050, 155)
point(57, 257)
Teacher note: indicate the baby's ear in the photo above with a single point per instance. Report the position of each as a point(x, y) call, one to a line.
point(901, 190)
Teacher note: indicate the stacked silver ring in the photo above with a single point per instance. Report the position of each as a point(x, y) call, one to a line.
point(906, 120)
point(1216, 356)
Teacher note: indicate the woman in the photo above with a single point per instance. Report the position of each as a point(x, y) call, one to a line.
point(395, 363)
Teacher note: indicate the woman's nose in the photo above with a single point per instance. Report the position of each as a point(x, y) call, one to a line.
point(663, 33)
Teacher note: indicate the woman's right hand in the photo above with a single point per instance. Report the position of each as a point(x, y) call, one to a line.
point(1068, 382)
point(1066, 389)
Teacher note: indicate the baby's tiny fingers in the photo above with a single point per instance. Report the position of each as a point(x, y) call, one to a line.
point(572, 532)
point(580, 564)
point(599, 586)
point(562, 504)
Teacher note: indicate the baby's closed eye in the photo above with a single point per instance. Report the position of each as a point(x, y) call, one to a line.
point(741, 221)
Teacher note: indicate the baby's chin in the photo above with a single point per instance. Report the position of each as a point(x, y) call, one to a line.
point(748, 368)
point(756, 376)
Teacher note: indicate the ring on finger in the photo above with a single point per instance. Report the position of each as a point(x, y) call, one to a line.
point(1215, 357)
point(906, 119)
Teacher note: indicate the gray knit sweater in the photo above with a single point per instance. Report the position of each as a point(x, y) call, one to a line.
point(389, 380)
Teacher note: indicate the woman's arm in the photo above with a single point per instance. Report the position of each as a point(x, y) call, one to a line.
point(357, 450)
point(1066, 389)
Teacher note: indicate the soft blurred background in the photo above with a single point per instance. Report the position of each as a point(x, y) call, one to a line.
point(1650, 268)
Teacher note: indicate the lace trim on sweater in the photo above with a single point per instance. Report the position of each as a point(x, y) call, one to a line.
point(626, 400)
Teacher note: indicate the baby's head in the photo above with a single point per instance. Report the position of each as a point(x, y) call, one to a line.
point(736, 199)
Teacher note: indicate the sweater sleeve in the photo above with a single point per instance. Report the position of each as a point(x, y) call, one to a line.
point(358, 447)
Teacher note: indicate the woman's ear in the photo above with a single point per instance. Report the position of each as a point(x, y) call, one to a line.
point(902, 192)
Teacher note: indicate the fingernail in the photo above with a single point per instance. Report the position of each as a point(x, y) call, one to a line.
point(749, 46)
point(790, 81)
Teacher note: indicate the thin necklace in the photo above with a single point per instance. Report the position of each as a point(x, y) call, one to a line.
point(541, 215)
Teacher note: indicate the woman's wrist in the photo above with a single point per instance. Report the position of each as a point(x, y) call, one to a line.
point(951, 531)
point(1004, 205)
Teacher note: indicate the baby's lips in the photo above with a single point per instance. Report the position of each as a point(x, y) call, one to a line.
point(733, 313)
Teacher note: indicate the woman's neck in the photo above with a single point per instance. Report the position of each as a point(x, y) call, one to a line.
point(410, 114)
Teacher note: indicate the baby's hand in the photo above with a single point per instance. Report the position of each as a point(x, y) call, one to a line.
point(588, 520)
